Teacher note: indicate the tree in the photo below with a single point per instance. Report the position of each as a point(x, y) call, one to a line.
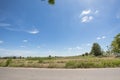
point(86, 54)
point(108, 51)
point(96, 50)
point(116, 44)
point(52, 2)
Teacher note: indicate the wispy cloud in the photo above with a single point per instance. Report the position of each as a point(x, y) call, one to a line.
point(25, 41)
point(102, 37)
point(4, 24)
point(33, 31)
point(51, 51)
point(88, 44)
point(85, 12)
point(118, 16)
point(38, 47)
point(23, 46)
point(88, 15)
point(77, 48)
point(9, 52)
point(18, 29)
point(1, 42)
point(86, 19)
point(96, 12)
point(69, 49)
point(98, 38)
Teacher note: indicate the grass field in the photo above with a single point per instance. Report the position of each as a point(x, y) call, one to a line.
point(63, 62)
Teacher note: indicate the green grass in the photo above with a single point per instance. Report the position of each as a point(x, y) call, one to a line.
point(93, 63)
point(8, 61)
point(63, 62)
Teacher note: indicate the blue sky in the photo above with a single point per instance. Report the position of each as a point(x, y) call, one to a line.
point(70, 27)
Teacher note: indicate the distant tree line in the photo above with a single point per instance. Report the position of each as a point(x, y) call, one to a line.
point(12, 57)
point(30, 57)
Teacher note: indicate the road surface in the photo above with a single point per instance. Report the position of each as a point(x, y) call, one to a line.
point(59, 74)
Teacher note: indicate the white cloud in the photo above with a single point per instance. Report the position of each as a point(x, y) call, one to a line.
point(88, 44)
point(96, 12)
point(25, 41)
point(85, 12)
point(33, 31)
point(9, 52)
point(118, 16)
point(86, 19)
point(98, 38)
point(69, 49)
point(74, 49)
point(78, 48)
point(51, 52)
point(38, 46)
point(88, 15)
point(22, 46)
point(4, 24)
point(102, 37)
point(1, 42)
point(12, 28)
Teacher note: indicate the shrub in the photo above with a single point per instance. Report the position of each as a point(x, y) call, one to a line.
point(52, 65)
point(8, 62)
point(71, 64)
point(40, 61)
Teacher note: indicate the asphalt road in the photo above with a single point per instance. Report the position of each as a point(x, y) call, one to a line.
point(59, 74)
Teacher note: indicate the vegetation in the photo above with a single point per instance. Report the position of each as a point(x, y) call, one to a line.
point(116, 44)
point(94, 63)
point(62, 62)
point(96, 50)
point(51, 2)
point(95, 59)
point(8, 62)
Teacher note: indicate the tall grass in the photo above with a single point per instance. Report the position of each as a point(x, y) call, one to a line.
point(69, 62)
point(93, 64)
point(8, 62)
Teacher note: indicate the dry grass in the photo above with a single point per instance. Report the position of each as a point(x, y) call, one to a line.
point(64, 62)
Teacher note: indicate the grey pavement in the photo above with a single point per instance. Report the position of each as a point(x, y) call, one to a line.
point(59, 74)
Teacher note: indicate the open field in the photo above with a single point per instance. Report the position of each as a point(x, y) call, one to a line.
point(62, 62)
point(59, 74)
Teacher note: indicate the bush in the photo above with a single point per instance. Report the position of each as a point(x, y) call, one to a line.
point(92, 64)
point(52, 65)
point(71, 64)
point(85, 65)
point(8, 62)
point(40, 61)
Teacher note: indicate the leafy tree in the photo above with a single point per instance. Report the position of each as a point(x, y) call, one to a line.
point(116, 44)
point(108, 51)
point(51, 2)
point(86, 54)
point(96, 50)
point(50, 57)
point(83, 54)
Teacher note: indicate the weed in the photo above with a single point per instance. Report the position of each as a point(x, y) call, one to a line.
point(8, 62)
